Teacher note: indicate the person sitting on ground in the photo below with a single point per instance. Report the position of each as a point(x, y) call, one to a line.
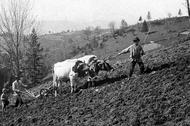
point(17, 87)
point(4, 99)
point(136, 52)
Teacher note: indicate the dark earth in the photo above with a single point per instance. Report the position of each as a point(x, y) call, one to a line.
point(161, 96)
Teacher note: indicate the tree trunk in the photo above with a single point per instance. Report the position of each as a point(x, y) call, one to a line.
point(17, 56)
point(188, 9)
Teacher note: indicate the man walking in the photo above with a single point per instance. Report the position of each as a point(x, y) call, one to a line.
point(136, 52)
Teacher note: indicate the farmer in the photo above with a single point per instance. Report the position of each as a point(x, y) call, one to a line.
point(17, 87)
point(136, 51)
point(4, 99)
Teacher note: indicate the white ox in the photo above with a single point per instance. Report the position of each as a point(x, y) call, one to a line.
point(88, 59)
point(68, 70)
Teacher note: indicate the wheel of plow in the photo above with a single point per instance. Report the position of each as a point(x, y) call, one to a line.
point(46, 92)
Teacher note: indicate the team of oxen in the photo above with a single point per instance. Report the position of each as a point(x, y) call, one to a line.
point(70, 69)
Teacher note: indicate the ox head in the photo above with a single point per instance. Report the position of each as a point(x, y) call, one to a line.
point(101, 65)
point(104, 65)
point(81, 68)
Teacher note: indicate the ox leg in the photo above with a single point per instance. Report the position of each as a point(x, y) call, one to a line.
point(90, 82)
point(73, 82)
point(56, 92)
point(3, 106)
point(56, 87)
point(55, 84)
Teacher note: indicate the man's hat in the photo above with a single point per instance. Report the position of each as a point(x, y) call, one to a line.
point(136, 39)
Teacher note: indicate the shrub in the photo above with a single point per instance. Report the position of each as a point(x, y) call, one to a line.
point(157, 23)
point(144, 27)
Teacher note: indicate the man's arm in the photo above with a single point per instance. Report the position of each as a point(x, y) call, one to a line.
point(23, 84)
point(125, 50)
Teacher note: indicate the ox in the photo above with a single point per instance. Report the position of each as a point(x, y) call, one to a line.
point(101, 65)
point(68, 70)
point(95, 65)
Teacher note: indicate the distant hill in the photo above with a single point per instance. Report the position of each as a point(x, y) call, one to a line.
point(59, 26)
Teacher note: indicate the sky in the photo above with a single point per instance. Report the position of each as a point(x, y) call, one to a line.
point(108, 10)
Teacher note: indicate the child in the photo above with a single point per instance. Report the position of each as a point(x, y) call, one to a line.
point(136, 52)
point(4, 99)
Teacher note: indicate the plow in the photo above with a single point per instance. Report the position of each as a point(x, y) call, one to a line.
point(44, 92)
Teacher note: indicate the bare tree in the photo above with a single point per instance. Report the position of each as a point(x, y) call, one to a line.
point(97, 30)
point(149, 16)
point(179, 12)
point(188, 9)
point(186, 4)
point(149, 28)
point(123, 24)
point(169, 15)
point(15, 22)
point(139, 23)
point(112, 26)
point(140, 19)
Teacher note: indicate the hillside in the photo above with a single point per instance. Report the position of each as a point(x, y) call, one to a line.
point(159, 97)
point(59, 46)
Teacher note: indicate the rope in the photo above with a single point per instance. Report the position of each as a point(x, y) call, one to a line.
point(110, 57)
